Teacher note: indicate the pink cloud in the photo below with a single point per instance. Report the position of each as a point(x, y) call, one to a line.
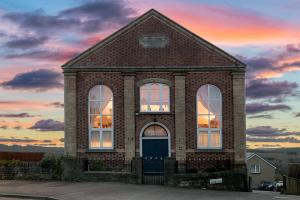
point(91, 40)
point(21, 105)
point(228, 25)
point(274, 63)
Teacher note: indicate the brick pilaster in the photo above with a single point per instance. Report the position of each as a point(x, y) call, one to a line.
point(129, 117)
point(70, 114)
point(180, 117)
point(239, 122)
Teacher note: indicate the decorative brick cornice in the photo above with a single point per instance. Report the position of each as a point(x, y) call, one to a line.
point(134, 69)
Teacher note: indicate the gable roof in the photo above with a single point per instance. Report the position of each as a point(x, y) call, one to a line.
point(163, 18)
point(251, 155)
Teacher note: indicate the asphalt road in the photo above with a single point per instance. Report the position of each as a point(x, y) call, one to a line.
point(120, 191)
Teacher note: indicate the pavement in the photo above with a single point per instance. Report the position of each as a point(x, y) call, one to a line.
point(121, 191)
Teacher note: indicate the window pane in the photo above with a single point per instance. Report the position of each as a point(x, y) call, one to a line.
point(95, 139)
point(202, 121)
point(214, 121)
point(203, 139)
point(203, 92)
point(214, 92)
point(143, 98)
point(201, 108)
point(144, 108)
point(215, 139)
point(107, 108)
point(154, 93)
point(95, 107)
point(165, 93)
point(143, 95)
point(95, 93)
point(154, 107)
point(106, 93)
point(255, 168)
point(252, 168)
point(95, 121)
point(106, 121)
point(215, 107)
point(165, 107)
point(202, 100)
point(149, 132)
point(107, 139)
point(155, 130)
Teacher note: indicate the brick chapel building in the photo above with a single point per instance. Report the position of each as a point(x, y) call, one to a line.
point(155, 90)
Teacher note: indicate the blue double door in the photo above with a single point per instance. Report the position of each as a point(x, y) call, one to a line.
point(154, 153)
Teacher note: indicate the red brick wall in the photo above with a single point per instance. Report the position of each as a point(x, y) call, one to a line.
point(209, 160)
point(193, 82)
point(125, 50)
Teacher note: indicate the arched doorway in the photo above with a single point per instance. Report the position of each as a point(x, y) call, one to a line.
point(154, 147)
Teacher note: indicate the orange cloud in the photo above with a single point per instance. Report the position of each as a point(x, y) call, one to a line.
point(275, 74)
point(30, 141)
point(15, 124)
point(227, 25)
point(284, 64)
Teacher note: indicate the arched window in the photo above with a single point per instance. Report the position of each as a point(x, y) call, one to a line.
point(154, 97)
point(209, 117)
point(100, 118)
point(155, 131)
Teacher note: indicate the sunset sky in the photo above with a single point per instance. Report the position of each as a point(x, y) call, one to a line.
point(38, 36)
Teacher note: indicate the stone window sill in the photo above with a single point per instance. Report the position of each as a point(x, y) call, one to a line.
point(209, 150)
point(153, 113)
point(100, 150)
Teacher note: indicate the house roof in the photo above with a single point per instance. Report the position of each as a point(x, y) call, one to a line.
point(251, 155)
point(143, 18)
point(248, 155)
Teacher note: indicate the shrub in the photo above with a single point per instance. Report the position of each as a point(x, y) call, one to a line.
point(11, 163)
point(52, 164)
point(12, 169)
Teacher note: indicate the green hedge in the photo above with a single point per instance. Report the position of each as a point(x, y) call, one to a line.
point(11, 163)
point(53, 164)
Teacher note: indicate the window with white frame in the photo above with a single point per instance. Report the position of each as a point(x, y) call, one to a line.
point(255, 169)
point(100, 118)
point(209, 117)
point(154, 97)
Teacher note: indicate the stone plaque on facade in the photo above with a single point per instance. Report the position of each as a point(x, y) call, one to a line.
point(150, 41)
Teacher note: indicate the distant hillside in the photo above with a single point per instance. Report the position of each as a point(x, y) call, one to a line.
point(276, 150)
point(18, 148)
